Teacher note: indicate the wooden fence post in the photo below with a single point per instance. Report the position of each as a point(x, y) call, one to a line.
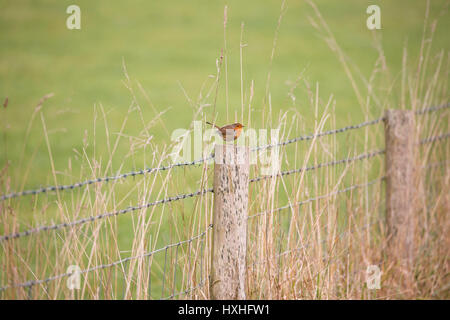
point(228, 259)
point(400, 178)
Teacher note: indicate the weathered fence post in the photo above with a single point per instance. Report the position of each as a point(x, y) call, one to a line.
point(228, 260)
point(400, 178)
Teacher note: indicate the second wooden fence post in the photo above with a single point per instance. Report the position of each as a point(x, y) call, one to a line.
point(228, 259)
point(400, 178)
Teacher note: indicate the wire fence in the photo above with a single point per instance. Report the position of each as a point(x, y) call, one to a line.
point(321, 165)
point(296, 205)
point(325, 196)
point(32, 283)
point(436, 138)
point(203, 278)
point(335, 239)
point(102, 216)
point(101, 180)
point(203, 160)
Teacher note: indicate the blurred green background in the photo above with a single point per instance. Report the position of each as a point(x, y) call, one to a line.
point(167, 46)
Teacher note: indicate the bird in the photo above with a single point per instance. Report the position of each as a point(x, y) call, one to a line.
point(229, 132)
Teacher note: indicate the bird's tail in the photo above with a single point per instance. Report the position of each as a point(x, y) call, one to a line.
point(213, 124)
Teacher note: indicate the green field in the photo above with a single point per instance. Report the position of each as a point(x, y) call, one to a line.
point(167, 47)
point(153, 63)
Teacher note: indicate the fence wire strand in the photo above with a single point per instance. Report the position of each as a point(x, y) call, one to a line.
point(101, 216)
point(311, 241)
point(324, 196)
point(32, 283)
point(337, 238)
point(101, 180)
point(435, 138)
point(180, 293)
point(321, 165)
point(321, 134)
point(433, 109)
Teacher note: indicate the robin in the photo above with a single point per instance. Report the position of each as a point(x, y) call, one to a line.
point(229, 132)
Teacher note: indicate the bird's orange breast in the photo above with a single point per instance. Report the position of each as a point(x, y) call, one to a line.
point(237, 132)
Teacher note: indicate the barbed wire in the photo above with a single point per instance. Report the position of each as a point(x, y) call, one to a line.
point(435, 164)
point(344, 129)
point(321, 165)
point(433, 109)
point(346, 249)
point(339, 237)
point(101, 180)
point(435, 138)
point(176, 198)
point(321, 134)
point(303, 202)
point(101, 216)
point(200, 285)
point(32, 283)
point(311, 241)
point(198, 161)
point(181, 164)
